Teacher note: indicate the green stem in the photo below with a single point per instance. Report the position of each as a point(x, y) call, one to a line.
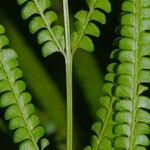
point(69, 104)
point(69, 61)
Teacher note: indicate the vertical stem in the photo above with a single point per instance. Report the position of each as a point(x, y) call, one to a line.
point(69, 104)
point(68, 60)
point(67, 26)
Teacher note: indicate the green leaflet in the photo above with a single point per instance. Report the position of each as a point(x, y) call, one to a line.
point(19, 111)
point(50, 37)
point(132, 116)
point(85, 24)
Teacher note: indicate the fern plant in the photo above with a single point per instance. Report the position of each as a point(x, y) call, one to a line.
point(19, 110)
point(123, 115)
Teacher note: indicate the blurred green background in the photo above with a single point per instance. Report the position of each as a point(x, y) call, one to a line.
point(45, 77)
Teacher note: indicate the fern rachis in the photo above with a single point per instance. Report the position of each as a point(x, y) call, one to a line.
point(136, 70)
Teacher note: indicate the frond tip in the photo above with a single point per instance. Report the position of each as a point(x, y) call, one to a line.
point(19, 110)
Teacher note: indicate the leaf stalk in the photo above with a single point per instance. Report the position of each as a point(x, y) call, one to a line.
point(69, 62)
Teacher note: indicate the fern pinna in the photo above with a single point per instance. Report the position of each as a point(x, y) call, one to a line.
point(50, 37)
point(85, 24)
point(124, 113)
point(19, 110)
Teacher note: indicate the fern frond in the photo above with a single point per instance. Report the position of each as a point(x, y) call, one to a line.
point(103, 129)
point(51, 37)
point(125, 101)
point(19, 110)
point(85, 24)
point(132, 68)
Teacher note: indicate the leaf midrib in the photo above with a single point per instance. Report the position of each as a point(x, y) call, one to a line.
point(136, 68)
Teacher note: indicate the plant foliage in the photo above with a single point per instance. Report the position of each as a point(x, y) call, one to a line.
point(103, 129)
point(124, 113)
point(50, 37)
point(126, 101)
point(132, 72)
point(86, 24)
point(19, 110)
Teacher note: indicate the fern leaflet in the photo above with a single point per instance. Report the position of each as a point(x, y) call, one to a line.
point(85, 25)
point(19, 110)
point(51, 37)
